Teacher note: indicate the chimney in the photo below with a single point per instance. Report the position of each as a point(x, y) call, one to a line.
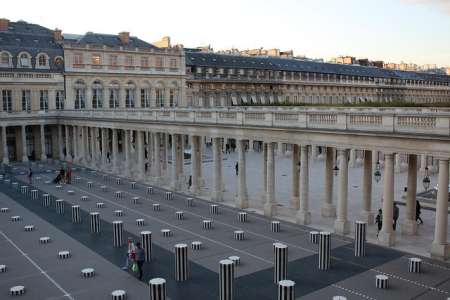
point(163, 43)
point(4, 24)
point(57, 35)
point(124, 37)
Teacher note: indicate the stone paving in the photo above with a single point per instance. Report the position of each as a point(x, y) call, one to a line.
point(349, 276)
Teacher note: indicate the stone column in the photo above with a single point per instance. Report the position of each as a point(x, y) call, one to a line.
point(270, 205)
point(167, 154)
point(115, 151)
point(60, 143)
point(24, 144)
point(352, 161)
point(157, 155)
point(83, 145)
point(409, 225)
point(386, 235)
point(92, 144)
point(423, 163)
point(439, 247)
point(217, 194)
point(295, 204)
point(304, 215)
point(140, 154)
point(75, 143)
point(104, 147)
point(180, 157)
point(68, 155)
point(42, 131)
point(314, 152)
point(175, 162)
point(5, 146)
point(328, 209)
point(126, 143)
point(398, 165)
point(264, 160)
point(242, 197)
point(165, 146)
point(341, 225)
point(195, 157)
point(366, 213)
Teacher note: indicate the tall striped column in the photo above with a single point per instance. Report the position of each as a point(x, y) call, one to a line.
point(226, 278)
point(59, 205)
point(324, 250)
point(280, 262)
point(360, 238)
point(181, 262)
point(146, 241)
point(117, 234)
point(286, 290)
point(157, 289)
point(76, 217)
point(95, 222)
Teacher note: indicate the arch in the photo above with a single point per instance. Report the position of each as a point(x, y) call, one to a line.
point(97, 82)
point(58, 61)
point(79, 83)
point(24, 60)
point(114, 84)
point(5, 58)
point(42, 60)
point(174, 84)
point(160, 84)
point(130, 84)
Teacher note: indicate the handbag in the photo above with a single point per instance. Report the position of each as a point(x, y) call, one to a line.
point(134, 267)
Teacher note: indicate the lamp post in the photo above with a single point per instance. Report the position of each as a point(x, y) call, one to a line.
point(426, 180)
point(336, 168)
point(377, 173)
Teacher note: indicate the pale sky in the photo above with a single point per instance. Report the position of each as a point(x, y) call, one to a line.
point(391, 30)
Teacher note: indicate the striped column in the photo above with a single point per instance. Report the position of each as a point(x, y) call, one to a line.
point(280, 262)
point(324, 250)
point(59, 205)
point(146, 241)
point(34, 194)
point(314, 237)
point(181, 262)
point(275, 226)
point(157, 289)
point(242, 217)
point(117, 234)
point(286, 290)
point(95, 222)
point(381, 282)
point(415, 265)
point(76, 217)
point(360, 238)
point(45, 200)
point(226, 278)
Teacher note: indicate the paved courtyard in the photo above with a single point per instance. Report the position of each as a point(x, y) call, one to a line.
point(46, 277)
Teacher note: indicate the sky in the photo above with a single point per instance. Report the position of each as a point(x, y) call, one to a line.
point(415, 31)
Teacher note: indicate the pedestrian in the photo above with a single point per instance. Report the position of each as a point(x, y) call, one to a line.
point(395, 215)
point(108, 157)
point(236, 168)
point(130, 249)
point(140, 258)
point(30, 175)
point(418, 212)
point(190, 181)
point(69, 175)
point(379, 220)
point(227, 148)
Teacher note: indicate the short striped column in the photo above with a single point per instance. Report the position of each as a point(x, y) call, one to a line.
point(280, 262)
point(16, 218)
point(87, 273)
point(105, 177)
point(156, 207)
point(100, 205)
point(59, 187)
point(84, 198)
point(133, 184)
point(118, 295)
point(381, 281)
point(117, 234)
point(118, 181)
point(103, 188)
point(239, 235)
point(89, 184)
point(169, 196)
point(286, 290)
point(77, 179)
point(28, 228)
point(149, 190)
point(34, 194)
point(44, 240)
point(207, 224)
point(45, 200)
point(189, 202)
point(226, 279)
point(95, 222)
point(275, 226)
point(118, 194)
point(181, 262)
point(235, 259)
point(64, 254)
point(314, 237)
point(135, 200)
point(242, 217)
point(2, 268)
point(166, 233)
point(146, 241)
point(118, 213)
point(339, 298)
point(140, 222)
point(4, 210)
point(415, 265)
point(17, 290)
point(59, 205)
point(360, 238)
point(157, 288)
point(24, 189)
point(196, 245)
point(76, 217)
point(15, 185)
point(214, 209)
point(179, 215)
point(324, 250)
point(71, 192)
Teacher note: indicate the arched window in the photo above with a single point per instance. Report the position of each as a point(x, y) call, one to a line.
point(42, 61)
point(5, 59)
point(114, 94)
point(80, 94)
point(130, 92)
point(145, 95)
point(24, 61)
point(159, 92)
point(97, 94)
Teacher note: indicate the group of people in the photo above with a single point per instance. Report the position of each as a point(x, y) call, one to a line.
point(135, 258)
point(396, 213)
point(64, 176)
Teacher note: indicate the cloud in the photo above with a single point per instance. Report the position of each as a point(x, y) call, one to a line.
point(441, 5)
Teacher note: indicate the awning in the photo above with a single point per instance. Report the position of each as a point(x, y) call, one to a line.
point(244, 99)
point(253, 99)
point(271, 98)
point(234, 100)
point(262, 98)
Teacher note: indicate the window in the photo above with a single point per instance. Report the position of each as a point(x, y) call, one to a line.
point(144, 62)
point(97, 94)
point(5, 59)
point(130, 95)
point(80, 95)
point(173, 63)
point(43, 100)
point(113, 60)
point(42, 60)
point(24, 61)
point(59, 101)
point(7, 100)
point(129, 62)
point(96, 60)
point(114, 95)
point(77, 59)
point(145, 97)
point(172, 98)
point(159, 64)
point(59, 61)
point(26, 100)
point(159, 97)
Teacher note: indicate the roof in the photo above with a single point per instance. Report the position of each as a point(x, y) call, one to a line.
point(208, 59)
point(109, 40)
point(32, 38)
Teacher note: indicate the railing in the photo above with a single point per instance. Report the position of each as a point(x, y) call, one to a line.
point(429, 122)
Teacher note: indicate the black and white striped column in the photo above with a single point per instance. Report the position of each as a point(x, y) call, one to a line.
point(149, 190)
point(286, 290)
point(275, 226)
point(146, 241)
point(34, 194)
point(181, 262)
point(214, 209)
point(360, 238)
point(242, 217)
point(118, 295)
point(239, 235)
point(415, 264)
point(189, 202)
point(324, 250)
point(179, 215)
point(157, 289)
point(381, 281)
point(133, 184)
point(59, 205)
point(76, 217)
point(117, 234)
point(169, 196)
point(226, 279)
point(314, 237)
point(207, 224)
point(156, 207)
point(280, 262)
point(135, 200)
point(95, 222)
point(45, 200)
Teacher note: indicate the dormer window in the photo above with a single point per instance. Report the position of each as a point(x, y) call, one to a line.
point(24, 60)
point(42, 61)
point(5, 59)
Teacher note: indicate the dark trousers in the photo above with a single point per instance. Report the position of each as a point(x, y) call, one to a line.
point(140, 264)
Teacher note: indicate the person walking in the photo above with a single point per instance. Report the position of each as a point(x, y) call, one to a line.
point(69, 175)
point(379, 220)
point(396, 215)
point(418, 212)
point(30, 175)
point(140, 258)
point(130, 249)
point(236, 168)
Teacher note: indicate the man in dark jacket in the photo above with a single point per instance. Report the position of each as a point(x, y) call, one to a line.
point(140, 258)
point(396, 214)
